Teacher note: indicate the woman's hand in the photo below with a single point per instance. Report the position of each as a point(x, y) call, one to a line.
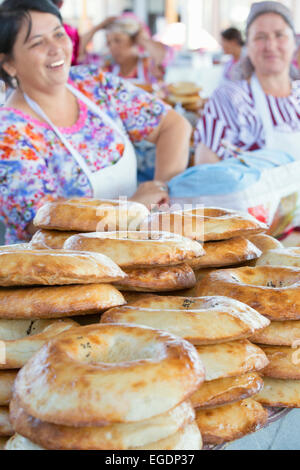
point(152, 193)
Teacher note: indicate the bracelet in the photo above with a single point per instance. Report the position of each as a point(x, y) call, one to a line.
point(161, 186)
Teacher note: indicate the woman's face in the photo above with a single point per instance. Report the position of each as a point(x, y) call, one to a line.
point(229, 47)
point(271, 44)
point(121, 46)
point(42, 61)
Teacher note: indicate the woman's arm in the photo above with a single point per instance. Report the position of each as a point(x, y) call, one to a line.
point(86, 38)
point(172, 139)
point(205, 155)
point(156, 50)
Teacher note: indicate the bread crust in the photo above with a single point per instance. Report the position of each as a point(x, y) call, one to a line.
point(90, 215)
point(285, 333)
point(226, 391)
point(6, 429)
point(49, 239)
point(202, 321)
point(231, 359)
point(231, 422)
point(265, 242)
point(138, 249)
point(56, 267)
point(281, 363)
point(271, 290)
point(110, 437)
point(160, 279)
point(281, 257)
point(7, 378)
point(58, 302)
point(279, 393)
point(23, 338)
point(95, 365)
point(226, 253)
point(206, 224)
point(187, 438)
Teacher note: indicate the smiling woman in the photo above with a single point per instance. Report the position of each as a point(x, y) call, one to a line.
point(69, 132)
point(262, 110)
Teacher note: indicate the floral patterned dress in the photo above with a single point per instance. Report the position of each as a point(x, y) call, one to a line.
point(35, 167)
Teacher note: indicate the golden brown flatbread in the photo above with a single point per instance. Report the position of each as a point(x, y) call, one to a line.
point(116, 436)
point(184, 88)
point(17, 247)
point(225, 391)
point(271, 290)
point(265, 242)
point(90, 215)
point(58, 302)
point(23, 338)
point(208, 224)
point(284, 363)
point(49, 239)
point(231, 359)
point(7, 378)
point(230, 422)
point(138, 249)
point(187, 438)
point(202, 321)
point(226, 253)
point(160, 279)
point(285, 333)
point(280, 393)
point(281, 257)
point(56, 267)
point(5, 426)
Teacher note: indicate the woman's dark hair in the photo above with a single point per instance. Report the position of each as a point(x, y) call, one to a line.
point(13, 13)
point(233, 34)
point(58, 3)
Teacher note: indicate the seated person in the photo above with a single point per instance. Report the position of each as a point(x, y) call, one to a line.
point(262, 110)
point(126, 38)
point(232, 44)
point(70, 132)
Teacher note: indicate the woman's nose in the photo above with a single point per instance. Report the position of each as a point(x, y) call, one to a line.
point(53, 47)
point(271, 43)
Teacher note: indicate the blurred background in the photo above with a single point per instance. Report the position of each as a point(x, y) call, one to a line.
point(192, 27)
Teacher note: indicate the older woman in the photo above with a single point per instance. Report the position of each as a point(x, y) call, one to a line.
point(263, 109)
point(68, 133)
point(126, 38)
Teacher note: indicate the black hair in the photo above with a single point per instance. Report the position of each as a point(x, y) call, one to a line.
point(12, 15)
point(233, 34)
point(58, 3)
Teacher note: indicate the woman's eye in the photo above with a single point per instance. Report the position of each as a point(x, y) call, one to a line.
point(36, 44)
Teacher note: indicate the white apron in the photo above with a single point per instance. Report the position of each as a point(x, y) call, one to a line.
point(276, 139)
point(111, 182)
point(141, 79)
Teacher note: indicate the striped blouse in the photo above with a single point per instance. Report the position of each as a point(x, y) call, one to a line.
point(230, 116)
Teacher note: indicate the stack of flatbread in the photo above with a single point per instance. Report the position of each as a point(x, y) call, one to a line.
point(39, 290)
point(108, 387)
point(219, 328)
point(153, 261)
point(281, 343)
point(187, 94)
point(225, 234)
point(57, 219)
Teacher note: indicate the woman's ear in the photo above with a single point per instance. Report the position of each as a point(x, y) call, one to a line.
point(7, 65)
